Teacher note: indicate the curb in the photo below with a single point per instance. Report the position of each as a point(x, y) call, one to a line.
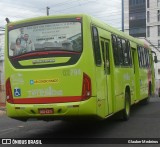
point(2, 107)
point(2, 113)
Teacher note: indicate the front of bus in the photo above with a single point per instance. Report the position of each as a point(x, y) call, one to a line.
point(46, 68)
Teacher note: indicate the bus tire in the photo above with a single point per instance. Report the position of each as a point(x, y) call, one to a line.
point(127, 107)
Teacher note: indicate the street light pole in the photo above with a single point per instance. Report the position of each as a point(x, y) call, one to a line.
point(123, 15)
point(47, 8)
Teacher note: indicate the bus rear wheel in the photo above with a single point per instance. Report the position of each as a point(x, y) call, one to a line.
point(127, 107)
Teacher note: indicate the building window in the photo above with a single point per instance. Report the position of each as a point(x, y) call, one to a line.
point(147, 3)
point(136, 2)
point(158, 15)
point(158, 43)
point(148, 31)
point(158, 30)
point(158, 3)
point(148, 16)
point(132, 2)
point(136, 16)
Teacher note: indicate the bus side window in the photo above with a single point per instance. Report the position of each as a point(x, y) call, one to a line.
point(144, 58)
point(121, 52)
point(103, 54)
point(107, 57)
point(115, 50)
point(102, 45)
point(96, 46)
point(139, 56)
point(147, 57)
point(129, 53)
point(125, 53)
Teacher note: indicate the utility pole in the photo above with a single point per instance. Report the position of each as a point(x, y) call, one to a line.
point(122, 15)
point(47, 8)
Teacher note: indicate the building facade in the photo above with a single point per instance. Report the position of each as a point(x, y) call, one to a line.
point(1, 61)
point(135, 17)
point(153, 30)
point(142, 20)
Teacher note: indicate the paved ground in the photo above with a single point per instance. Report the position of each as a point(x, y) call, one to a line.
point(143, 123)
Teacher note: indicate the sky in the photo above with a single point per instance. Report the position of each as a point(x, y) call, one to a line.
point(108, 11)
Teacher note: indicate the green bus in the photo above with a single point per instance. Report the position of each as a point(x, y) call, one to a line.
point(73, 66)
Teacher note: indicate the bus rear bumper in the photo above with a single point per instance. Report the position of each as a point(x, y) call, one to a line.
point(60, 110)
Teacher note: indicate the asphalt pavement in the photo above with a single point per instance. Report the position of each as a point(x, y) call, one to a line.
point(143, 123)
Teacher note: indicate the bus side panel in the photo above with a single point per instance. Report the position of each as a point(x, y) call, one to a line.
point(123, 78)
point(143, 82)
point(101, 97)
point(104, 77)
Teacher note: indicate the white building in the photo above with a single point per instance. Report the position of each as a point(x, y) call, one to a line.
point(1, 60)
point(153, 28)
point(142, 20)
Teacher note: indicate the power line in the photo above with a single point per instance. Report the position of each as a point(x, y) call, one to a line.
point(72, 4)
point(62, 3)
point(71, 7)
point(38, 9)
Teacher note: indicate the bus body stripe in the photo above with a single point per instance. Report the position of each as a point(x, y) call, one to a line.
point(48, 100)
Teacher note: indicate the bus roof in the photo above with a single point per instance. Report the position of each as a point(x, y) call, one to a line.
point(93, 20)
point(116, 31)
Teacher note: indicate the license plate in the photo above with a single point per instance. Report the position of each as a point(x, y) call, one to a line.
point(46, 110)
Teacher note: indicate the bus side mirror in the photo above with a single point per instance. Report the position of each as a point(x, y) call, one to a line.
point(155, 59)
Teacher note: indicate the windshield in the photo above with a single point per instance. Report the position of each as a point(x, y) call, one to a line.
point(64, 36)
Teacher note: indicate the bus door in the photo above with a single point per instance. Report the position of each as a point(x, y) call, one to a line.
point(135, 72)
point(105, 44)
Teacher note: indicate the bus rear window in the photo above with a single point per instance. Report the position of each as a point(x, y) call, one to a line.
point(63, 36)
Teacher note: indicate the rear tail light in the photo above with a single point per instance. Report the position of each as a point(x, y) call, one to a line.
point(86, 87)
point(9, 95)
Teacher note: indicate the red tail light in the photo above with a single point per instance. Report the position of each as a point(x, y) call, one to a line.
point(9, 95)
point(86, 87)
